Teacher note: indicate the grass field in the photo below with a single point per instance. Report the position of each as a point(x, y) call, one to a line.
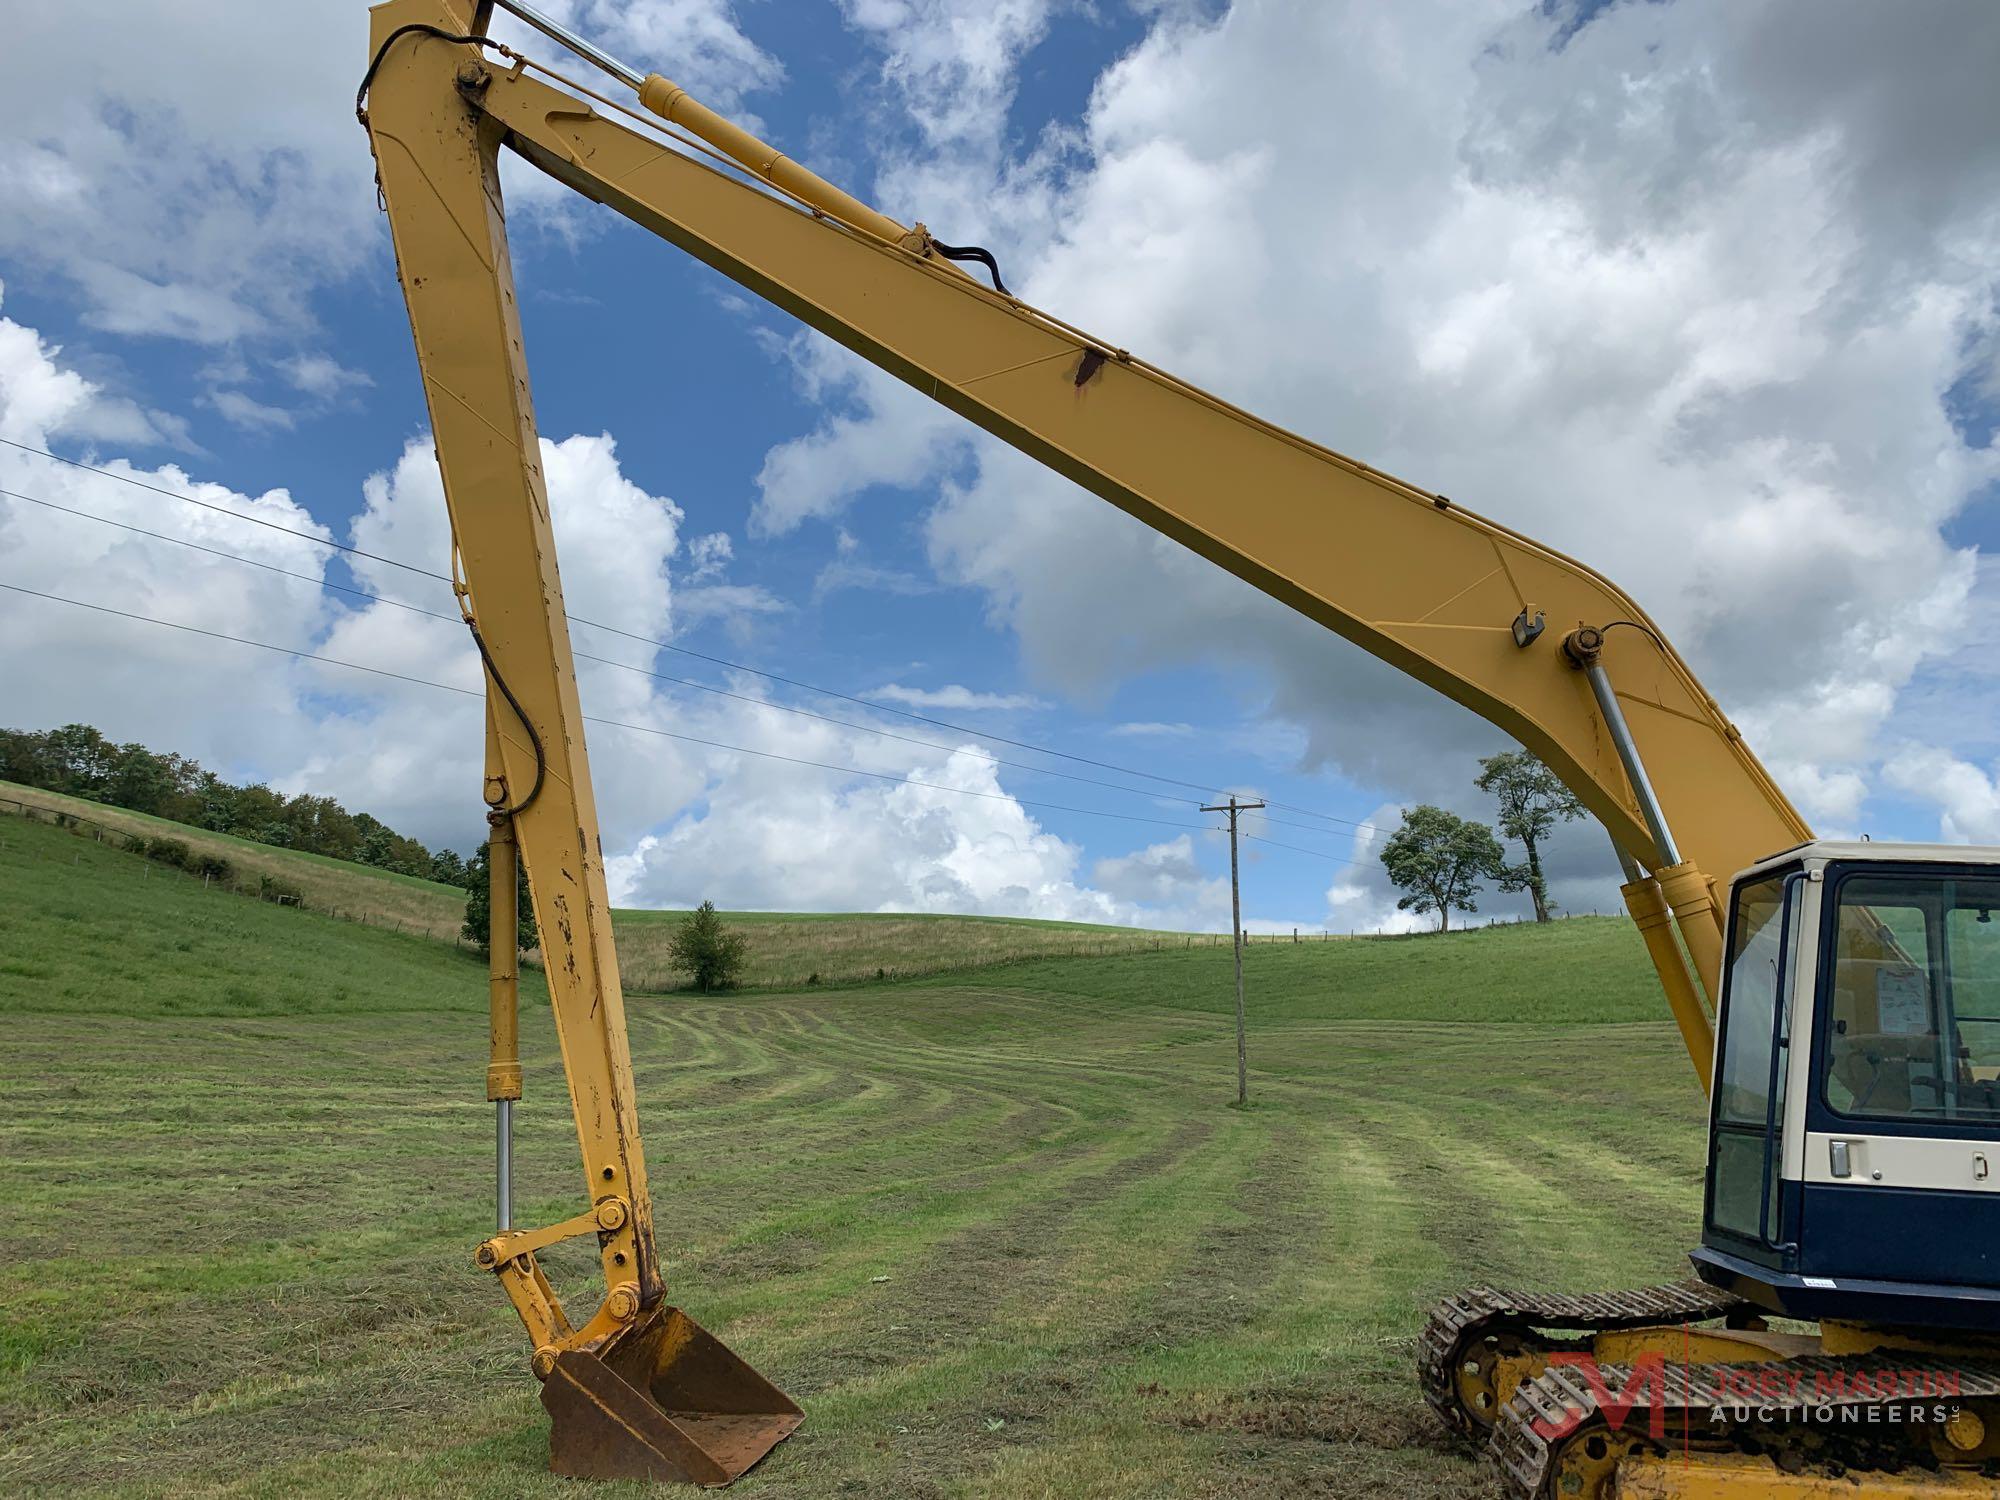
point(359, 893)
point(245, 1154)
point(785, 949)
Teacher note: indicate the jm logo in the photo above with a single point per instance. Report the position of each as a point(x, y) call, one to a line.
point(1645, 1382)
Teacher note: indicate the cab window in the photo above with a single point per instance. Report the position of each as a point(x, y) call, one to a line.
point(1913, 1011)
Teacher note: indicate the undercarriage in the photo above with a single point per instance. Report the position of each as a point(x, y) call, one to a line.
point(1684, 1391)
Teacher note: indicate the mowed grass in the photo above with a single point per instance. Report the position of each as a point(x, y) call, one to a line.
point(240, 1213)
point(791, 949)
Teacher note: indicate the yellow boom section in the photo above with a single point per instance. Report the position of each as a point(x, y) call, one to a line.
point(1419, 581)
point(1426, 585)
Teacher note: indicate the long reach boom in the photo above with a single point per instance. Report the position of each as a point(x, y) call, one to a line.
point(1533, 641)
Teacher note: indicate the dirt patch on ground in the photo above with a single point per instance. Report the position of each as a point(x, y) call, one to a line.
point(1323, 1416)
point(1312, 1441)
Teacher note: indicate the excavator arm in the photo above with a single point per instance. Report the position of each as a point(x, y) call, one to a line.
point(1531, 640)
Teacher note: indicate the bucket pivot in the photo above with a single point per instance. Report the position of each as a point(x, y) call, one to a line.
point(663, 1399)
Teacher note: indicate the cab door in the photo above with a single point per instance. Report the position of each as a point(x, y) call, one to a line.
point(1747, 1198)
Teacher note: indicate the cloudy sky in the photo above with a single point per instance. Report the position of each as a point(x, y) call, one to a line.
point(1704, 293)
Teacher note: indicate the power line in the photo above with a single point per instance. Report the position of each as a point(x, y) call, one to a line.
point(252, 562)
point(719, 661)
point(1270, 822)
point(705, 687)
point(1258, 838)
point(314, 656)
point(304, 536)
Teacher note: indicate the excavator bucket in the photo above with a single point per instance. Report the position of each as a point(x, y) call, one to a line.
point(664, 1400)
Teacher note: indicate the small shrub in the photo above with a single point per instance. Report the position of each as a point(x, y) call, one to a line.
point(813, 978)
point(281, 891)
point(169, 852)
point(213, 867)
point(706, 951)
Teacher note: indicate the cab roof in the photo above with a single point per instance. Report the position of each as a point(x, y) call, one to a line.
point(1823, 850)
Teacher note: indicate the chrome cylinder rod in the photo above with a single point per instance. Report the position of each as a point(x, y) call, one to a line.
point(1627, 863)
point(556, 31)
point(503, 1163)
point(1635, 769)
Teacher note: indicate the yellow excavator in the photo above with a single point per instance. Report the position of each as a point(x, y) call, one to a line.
point(1840, 1002)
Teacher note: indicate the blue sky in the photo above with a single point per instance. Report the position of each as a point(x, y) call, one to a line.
point(1572, 267)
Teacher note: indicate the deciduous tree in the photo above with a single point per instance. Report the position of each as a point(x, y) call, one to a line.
point(1531, 801)
point(1439, 859)
point(478, 925)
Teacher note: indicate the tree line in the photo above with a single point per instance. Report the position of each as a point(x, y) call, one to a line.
point(79, 761)
point(1441, 861)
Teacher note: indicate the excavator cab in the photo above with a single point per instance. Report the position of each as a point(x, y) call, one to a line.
point(1855, 1116)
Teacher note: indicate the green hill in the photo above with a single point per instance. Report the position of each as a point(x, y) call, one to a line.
point(121, 934)
point(785, 948)
point(337, 887)
point(1001, 1233)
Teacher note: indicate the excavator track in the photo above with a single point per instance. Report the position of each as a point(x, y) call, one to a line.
point(1822, 1417)
point(1467, 1324)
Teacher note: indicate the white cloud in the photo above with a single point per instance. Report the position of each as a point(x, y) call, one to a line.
point(1168, 878)
point(1967, 797)
point(908, 828)
point(1683, 297)
point(322, 375)
point(695, 42)
point(131, 171)
point(954, 695)
point(818, 475)
point(729, 601)
point(195, 172)
point(404, 752)
point(41, 396)
point(709, 555)
point(241, 411)
point(845, 573)
point(950, 63)
point(230, 705)
point(781, 837)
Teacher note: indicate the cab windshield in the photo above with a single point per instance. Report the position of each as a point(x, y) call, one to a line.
point(1913, 1017)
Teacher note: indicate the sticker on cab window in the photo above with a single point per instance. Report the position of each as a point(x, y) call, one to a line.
point(1902, 1003)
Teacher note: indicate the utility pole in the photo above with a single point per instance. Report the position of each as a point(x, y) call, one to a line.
point(1233, 807)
